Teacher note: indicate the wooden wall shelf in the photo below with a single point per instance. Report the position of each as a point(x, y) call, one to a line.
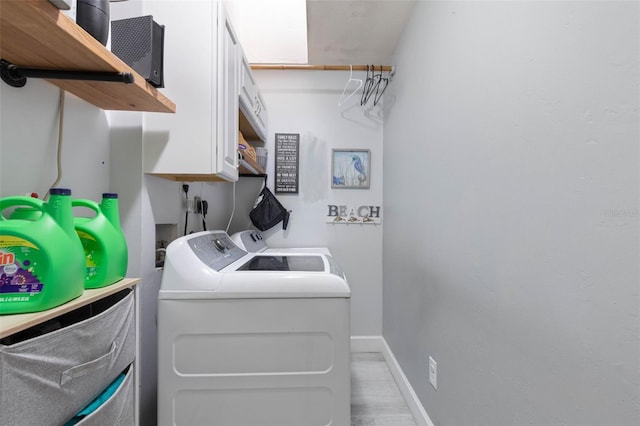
point(35, 34)
point(246, 128)
point(249, 166)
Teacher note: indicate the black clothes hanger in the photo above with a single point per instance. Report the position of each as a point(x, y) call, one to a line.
point(367, 87)
point(378, 96)
point(372, 86)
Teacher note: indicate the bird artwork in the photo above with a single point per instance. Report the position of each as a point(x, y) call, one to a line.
point(350, 169)
point(357, 164)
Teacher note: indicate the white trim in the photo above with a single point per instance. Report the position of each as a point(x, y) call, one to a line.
point(415, 406)
point(378, 344)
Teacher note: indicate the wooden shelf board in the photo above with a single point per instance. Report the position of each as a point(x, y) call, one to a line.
point(10, 324)
point(247, 164)
point(247, 129)
point(35, 34)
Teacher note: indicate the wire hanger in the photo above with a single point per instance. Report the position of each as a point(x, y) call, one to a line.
point(367, 87)
point(377, 96)
point(359, 83)
point(374, 84)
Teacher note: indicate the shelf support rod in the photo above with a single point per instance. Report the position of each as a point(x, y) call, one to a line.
point(16, 76)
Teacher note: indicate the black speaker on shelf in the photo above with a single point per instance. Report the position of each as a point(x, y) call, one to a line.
point(93, 16)
point(139, 42)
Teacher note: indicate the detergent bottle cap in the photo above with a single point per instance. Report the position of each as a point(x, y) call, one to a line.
point(60, 191)
point(109, 195)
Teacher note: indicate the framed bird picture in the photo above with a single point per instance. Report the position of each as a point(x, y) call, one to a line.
point(351, 168)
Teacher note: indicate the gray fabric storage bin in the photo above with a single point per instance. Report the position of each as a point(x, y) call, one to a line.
point(117, 410)
point(47, 379)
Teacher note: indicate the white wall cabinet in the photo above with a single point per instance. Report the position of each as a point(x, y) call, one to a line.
point(199, 141)
point(252, 105)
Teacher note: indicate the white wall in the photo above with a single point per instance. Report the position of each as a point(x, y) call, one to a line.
point(28, 142)
point(521, 277)
point(306, 102)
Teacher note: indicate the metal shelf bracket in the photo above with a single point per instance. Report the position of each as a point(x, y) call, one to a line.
point(17, 76)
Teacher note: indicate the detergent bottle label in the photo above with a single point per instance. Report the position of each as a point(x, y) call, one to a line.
point(20, 261)
point(92, 253)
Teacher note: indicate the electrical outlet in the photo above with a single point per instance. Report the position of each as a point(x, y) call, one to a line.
point(433, 373)
point(197, 204)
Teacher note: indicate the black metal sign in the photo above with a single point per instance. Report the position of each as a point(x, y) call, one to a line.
point(287, 161)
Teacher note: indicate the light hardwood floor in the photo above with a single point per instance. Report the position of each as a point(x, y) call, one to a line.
point(375, 398)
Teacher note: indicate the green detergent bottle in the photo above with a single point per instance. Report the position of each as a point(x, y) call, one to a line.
point(41, 257)
point(104, 244)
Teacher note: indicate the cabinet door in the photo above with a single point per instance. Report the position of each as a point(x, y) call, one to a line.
point(251, 102)
point(201, 75)
point(184, 142)
point(261, 116)
point(247, 87)
point(227, 132)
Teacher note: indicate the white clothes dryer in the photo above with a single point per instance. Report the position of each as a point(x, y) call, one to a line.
point(251, 338)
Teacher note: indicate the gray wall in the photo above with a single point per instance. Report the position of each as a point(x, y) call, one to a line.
point(511, 172)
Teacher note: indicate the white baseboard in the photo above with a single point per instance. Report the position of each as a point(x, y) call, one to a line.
point(378, 344)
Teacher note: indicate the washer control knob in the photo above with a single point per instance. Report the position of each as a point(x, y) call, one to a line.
point(219, 244)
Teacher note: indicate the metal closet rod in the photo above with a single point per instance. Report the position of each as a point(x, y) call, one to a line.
point(387, 68)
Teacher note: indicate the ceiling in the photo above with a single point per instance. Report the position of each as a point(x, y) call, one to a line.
point(355, 32)
point(335, 32)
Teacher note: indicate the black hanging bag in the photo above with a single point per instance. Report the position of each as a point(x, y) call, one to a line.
point(268, 212)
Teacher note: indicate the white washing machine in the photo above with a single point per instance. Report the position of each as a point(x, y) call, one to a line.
point(253, 242)
point(253, 339)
